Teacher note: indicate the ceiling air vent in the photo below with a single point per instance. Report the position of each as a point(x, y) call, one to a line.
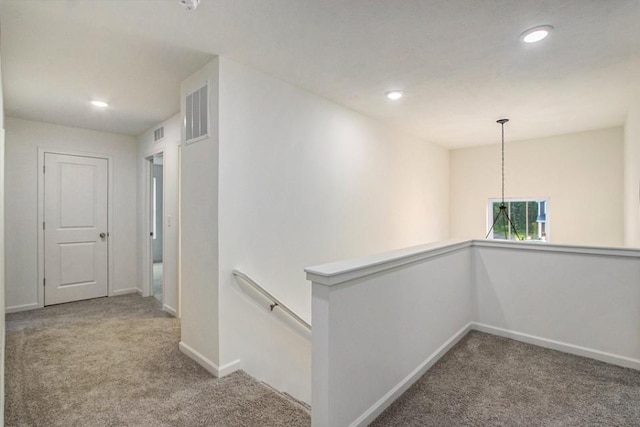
point(158, 134)
point(197, 114)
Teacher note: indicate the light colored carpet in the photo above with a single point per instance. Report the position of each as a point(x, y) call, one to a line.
point(491, 381)
point(115, 362)
point(158, 272)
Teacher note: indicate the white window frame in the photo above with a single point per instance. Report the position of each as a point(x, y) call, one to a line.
point(507, 200)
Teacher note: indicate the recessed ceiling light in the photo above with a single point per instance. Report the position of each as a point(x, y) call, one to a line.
point(535, 34)
point(395, 94)
point(189, 4)
point(100, 104)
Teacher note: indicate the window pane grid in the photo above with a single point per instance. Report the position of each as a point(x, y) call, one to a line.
point(528, 220)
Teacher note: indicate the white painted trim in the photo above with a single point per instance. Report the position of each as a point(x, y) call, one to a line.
point(170, 310)
point(147, 224)
point(199, 358)
point(147, 249)
point(344, 271)
point(110, 218)
point(147, 264)
point(377, 408)
point(602, 356)
point(178, 221)
point(125, 291)
point(229, 368)
point(556, 248)
point(24, 307)
point(207, 364)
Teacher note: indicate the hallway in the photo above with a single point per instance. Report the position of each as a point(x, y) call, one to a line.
point(115, 361)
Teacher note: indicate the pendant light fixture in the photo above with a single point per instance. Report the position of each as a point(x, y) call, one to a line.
point(502, 212)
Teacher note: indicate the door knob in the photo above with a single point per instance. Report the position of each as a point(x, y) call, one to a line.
point(103, 235)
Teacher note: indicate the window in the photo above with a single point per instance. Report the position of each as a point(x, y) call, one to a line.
point(528, 216)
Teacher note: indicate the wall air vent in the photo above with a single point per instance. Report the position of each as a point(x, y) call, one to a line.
point(197, 114)
point(158, 134)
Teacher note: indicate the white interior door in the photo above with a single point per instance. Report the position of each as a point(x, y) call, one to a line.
point(75, 228)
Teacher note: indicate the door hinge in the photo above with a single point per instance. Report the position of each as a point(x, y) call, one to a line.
point(44, 282)
point(43, 225)
point(43, 168)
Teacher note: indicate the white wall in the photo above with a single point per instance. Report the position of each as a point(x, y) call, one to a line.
point(305, 181)
point(170, 146)
point(581, 173)
point(23, 138)
point(581, 300)
point(632, 177)
point(199, 231)
point(380, 323)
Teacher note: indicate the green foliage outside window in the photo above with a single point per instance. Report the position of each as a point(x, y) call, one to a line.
point(523, 215)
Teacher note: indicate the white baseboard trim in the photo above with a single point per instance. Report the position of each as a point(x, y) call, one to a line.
point(24, 307)
point(372, 413)
point(199, 358)
point(124, 291)
point(35, 305)
point(229, 368)
point(172, 311)
point(215, 370)
point(614, 359)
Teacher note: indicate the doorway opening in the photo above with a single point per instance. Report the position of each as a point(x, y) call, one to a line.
point(156, 234)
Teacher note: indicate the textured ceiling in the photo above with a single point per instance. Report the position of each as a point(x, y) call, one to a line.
point(459, 61)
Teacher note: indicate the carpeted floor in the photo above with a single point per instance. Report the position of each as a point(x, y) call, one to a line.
point(491, 381)
point(115, 362)
point(158, 273)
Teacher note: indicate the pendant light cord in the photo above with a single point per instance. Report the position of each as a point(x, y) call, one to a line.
point(502, 212)
point(502, 124)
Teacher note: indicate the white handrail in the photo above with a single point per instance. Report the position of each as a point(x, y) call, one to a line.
point(275, 301)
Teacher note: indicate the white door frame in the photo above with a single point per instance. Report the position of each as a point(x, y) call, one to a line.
point(110, 217)
point(171, 172)
point(179, 222)
point(147, 221)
